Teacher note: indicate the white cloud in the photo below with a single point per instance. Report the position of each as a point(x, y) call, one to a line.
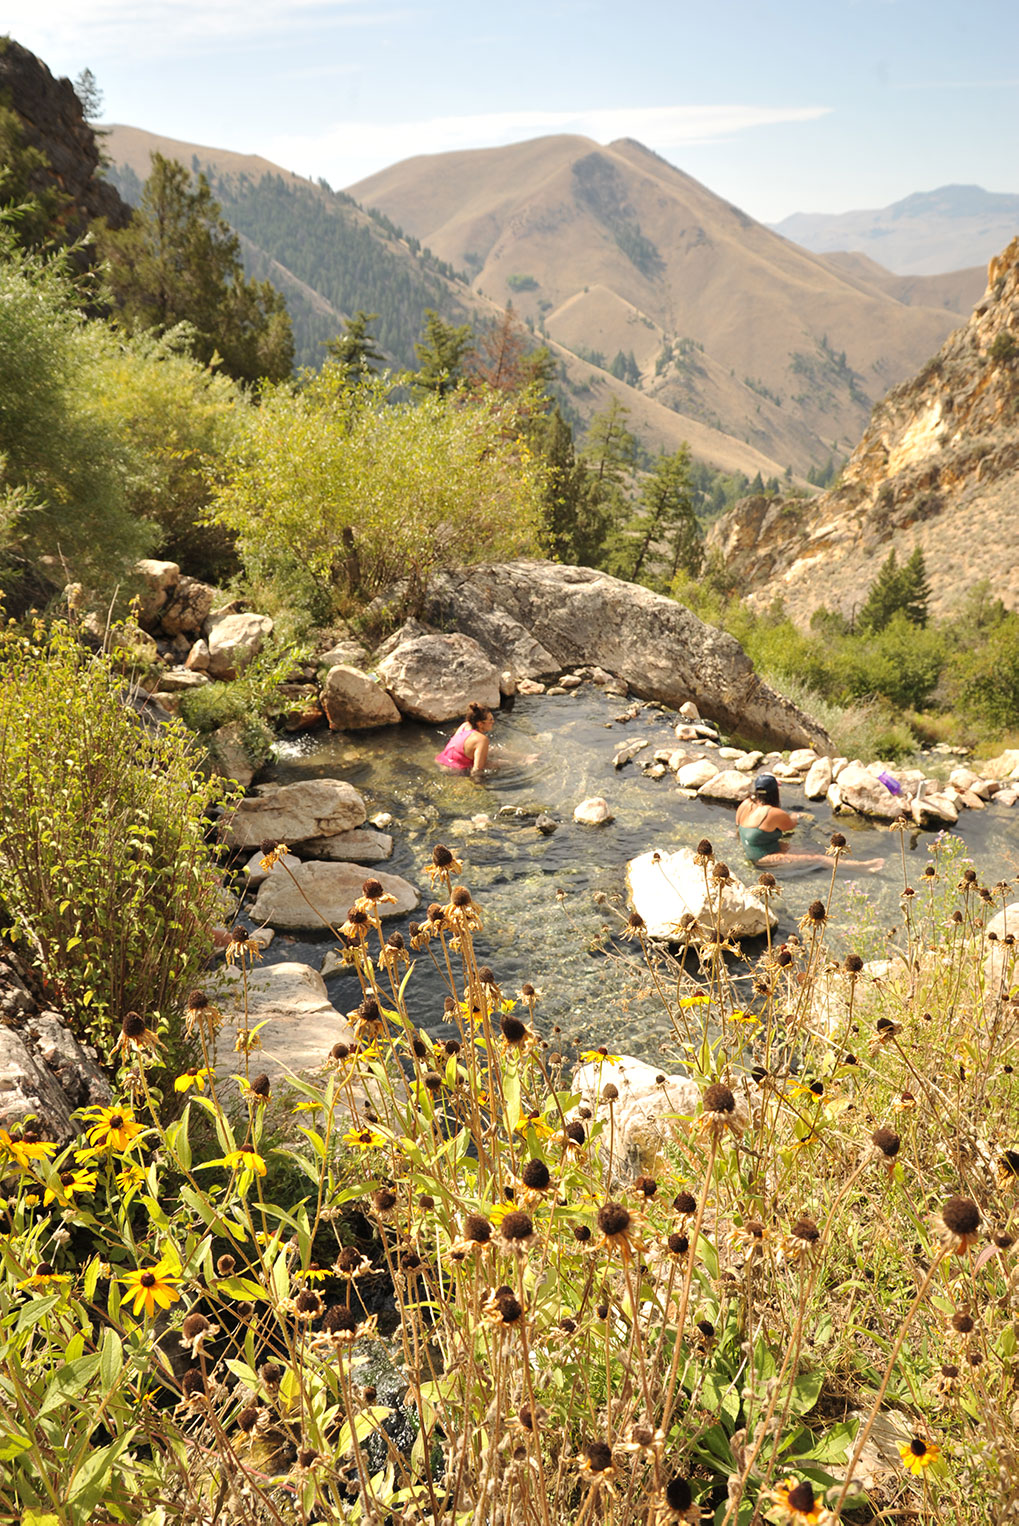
point(116, 29)
point(348, 151)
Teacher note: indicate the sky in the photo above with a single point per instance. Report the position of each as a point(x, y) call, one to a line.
point(778, 105)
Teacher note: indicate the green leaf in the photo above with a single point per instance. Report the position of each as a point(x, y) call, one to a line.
point(111, 1359)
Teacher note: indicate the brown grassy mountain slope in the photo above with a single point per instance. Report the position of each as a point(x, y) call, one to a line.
point(614, 249)
point(938, 468)
point(659, 426)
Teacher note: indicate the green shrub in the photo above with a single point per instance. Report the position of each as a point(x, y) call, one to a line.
point(106, 873)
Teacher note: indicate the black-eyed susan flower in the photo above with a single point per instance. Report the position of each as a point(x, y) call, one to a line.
point(272, 852)
point(196, 1331)
point(1008, 1170)
point(596, 1463)
point(599, 1056)
point(721, 1113)
point(444, 864)
point(674, 1506)
point(918, 1454)
point(958, 1224)
point(803, 1239)
point(195, 1077)
point(694, 999)
point(152, 1287)
point(462, 912)
point(799, 1507)
point(373, 894)
point(45, 1275)
point(113, 1128)
point(503, 1309)
point(477, 1235)
point(516, 1232)
point(242, 947)
point(135, 1035)
point(363, 1139)
point(641, 1439)
point(619, 1230)
point(245, 1160)
point(68, 1186)
point(26, 1147)
point(885, 1145)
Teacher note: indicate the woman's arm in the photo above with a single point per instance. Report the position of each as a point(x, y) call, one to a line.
point(479, 752)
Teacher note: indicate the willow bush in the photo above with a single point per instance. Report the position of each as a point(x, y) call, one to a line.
point(800, 1307)
point(337, 492)
point(105, 872)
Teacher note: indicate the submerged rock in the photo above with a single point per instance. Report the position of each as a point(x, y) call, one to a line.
point(295, 813)
point(301, 1024)
point(321, 894)
point(593, 812)
point(651, 1106)
point(679, 898)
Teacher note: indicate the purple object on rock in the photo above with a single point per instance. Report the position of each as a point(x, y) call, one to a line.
point(890, 783)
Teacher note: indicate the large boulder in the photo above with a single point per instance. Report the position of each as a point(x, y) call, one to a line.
point(679, 898)
point(320, 895)
point(651, 1108)
point(863, 791)
point(659, 649)
point(354, 702)
point(45, 1074)
point(434, 678)
point(159, 579)
point(233, 641)
point(729, 785)
point(295, 813)
point(696, 773)
point(301, 1025)
point(818, 780)
point(188, 606)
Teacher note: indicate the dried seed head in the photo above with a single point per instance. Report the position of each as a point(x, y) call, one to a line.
point(339, 1320)
point(513, 1030)
point(226, 1265)
point(685, 1202)
point(816, 912)
point(678, 1495)
point(837, 840)
point(581, 1233)
point(678, 1244)
point(134, 1026)
point(197, 1000)
point(261, 1086)
point(461, 896)
point(766, 881)
point(646, 1186)
point(887, 1142)
point(194, 1325)
point(610, 1093)
point(536, 1175)
point(614, 1219)
point(432, 1081)
point(516, 1226)
point(801, 1498)
point(384, 1200)
point(372, 890)
point(575, 1132)
point(719, 1099)
point(854, 964)
point(339, 1051)
point(704, 849)
point(962, 1323)
point(248, 1418)
point(477, 1229)
point(961, 1216)
point(597, 1455)
point(441, 856)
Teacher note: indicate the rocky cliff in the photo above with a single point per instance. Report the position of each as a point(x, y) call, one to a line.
point(52, 121)
point(938, 467)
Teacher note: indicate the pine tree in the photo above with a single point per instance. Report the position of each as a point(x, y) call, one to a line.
point(179, 261)
point(441, 351)
point(916, 590)
point(664, 528)
point(355, 347)
point(575, 518)
point(884, 596)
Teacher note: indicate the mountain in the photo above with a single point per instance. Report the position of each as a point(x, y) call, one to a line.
point(613, 252)
point(938, 468)
point(330, 256)
point(925, 234)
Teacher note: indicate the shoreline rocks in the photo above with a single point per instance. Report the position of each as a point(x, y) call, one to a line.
point(679, 898)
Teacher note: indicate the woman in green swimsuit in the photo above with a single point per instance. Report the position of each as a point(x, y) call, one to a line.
point(761, 822)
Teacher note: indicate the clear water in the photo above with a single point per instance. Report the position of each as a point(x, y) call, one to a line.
point(553, 906)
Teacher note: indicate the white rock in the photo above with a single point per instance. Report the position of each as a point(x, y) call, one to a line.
point(689, 711)
point(320, 895)
point(965, 797)
point(1005, 797)
point(652, 1106)
point(333, 964)
point(1004, 921)
point(819, 777)
point(731, 754)
point(934, 810)
point(677, 758)
point(159, 578)
point(293, 813)
point(290, 999)
point(530, 686)
point(354, 702)
point(728, 785)
point(837, 765)
point(435, 678)
point(802, 758)
point(197, 659)
point(859, 788)
point(187, 607)
point(593, 812)
point(687, 733)
point(1004, 766)
point(234, 640)
point(175, 680)
point(748, 763)
point(668, 889)
point(693, 775)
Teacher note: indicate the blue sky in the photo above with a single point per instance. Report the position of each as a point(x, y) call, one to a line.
point(778, 105)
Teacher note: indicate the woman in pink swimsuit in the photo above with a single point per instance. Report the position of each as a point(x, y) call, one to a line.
point(467, 749)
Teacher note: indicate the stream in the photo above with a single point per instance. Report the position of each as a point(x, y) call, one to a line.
point(547, 902)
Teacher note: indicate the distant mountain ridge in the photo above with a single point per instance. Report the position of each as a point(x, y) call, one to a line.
point(615, 253)
point(927, 233)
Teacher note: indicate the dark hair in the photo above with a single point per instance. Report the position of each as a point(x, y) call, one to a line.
point(766, 789)
point(476, 714)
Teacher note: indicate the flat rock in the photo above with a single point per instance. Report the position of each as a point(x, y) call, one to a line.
point(363, 845)
point(593, 812)
point(651, 1109)
point(321, 895)
point(435, 678)
point(802, 758)
point(934, 809)
point(354, 702)
point(677, 899)
point(728, 785)
point(301, 1023)
point(1004, 766)
point(176, 680)
point(295, 813)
